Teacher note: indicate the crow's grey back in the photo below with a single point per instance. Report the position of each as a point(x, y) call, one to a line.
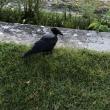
point(48, 35)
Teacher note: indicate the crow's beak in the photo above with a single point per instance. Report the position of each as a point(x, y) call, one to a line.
point(61, 36)
point(60, 33)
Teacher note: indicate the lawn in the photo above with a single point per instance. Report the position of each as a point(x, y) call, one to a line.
point(68, 79)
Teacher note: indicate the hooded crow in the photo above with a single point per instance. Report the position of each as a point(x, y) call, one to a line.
point(45, 44)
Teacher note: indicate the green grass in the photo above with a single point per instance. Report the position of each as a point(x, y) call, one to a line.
point(68, 79)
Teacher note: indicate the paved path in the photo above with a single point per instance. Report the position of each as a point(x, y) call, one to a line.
point(28, 34)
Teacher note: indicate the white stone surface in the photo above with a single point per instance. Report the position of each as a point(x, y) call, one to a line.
point(29, 34)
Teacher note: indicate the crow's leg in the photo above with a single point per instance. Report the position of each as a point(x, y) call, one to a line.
point(50, 52)
point(27, 54)
point(46, 53)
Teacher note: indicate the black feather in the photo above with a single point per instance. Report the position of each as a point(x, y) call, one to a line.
point(45, 44)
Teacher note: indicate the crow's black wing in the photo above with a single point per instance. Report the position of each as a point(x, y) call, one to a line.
point(43, 45)
point(39, 46)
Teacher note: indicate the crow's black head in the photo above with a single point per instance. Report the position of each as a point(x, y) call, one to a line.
point(56, 31)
